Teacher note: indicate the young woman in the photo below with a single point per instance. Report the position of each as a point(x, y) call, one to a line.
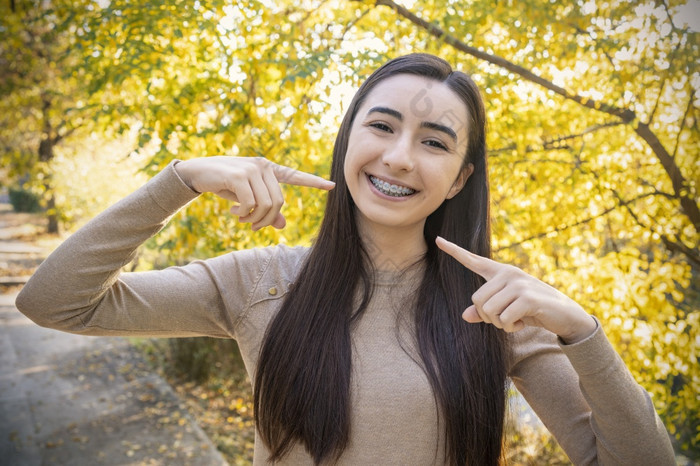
point(358, 347)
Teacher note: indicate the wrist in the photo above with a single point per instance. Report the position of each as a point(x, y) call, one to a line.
point(582, 330)
point(182, 168)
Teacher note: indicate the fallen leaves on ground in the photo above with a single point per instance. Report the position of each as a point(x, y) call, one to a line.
point(222, 405)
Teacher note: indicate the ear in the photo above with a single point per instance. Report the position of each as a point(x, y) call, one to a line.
point(461, 180)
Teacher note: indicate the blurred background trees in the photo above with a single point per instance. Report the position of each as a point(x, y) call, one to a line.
point(593, 133)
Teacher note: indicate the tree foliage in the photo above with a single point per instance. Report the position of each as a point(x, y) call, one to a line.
point(593, 133)
point(206, 78)
point(594, 152)
point(42, 101)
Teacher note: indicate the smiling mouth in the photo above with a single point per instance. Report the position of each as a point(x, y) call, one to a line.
point(390, 189)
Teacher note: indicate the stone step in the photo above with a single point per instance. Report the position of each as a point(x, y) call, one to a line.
point(18, 247)
point(12, 281)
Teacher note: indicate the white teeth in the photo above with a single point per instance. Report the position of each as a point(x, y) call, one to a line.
point(390, 189)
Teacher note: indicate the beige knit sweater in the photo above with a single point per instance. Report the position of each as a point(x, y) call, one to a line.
point(582, 392)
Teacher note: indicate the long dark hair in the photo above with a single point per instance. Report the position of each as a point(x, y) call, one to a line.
point(302, 382)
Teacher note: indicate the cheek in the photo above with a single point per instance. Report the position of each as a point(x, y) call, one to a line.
point(354, 159)
point(351, 168)
point(348, 167)
point(441, 175)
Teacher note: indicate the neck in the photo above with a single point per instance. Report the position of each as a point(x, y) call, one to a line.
point(392, 249)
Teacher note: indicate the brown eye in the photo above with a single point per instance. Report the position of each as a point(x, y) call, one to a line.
point(381, 127)
point(436, 144)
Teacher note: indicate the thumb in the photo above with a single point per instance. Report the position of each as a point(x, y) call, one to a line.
point(279, 222)
point(471, 316)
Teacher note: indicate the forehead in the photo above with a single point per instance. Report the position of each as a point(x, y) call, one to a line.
point(419, 99)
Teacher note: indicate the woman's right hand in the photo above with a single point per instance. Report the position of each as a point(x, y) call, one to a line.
point(252, 182)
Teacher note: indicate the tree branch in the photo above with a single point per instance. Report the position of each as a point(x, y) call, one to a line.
point(590, 36)
point(549, 144)
point(680, 186)
point(352, 23)
point(507, 148)
point(675, 246)
point(668, 13)
point(680, 130)
point(625, 114)
point(572, 225)
point(656, 104)
point(679, 183)
point(656, 191)
point(681, 248)
point(554, 143)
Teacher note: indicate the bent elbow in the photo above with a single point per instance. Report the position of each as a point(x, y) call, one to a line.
point(35, 309)
point(44, 311)
point(25, 303)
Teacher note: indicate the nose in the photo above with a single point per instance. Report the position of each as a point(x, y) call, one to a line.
point(399, 155)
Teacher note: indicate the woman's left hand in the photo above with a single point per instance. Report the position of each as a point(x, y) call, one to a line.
point(511, 299)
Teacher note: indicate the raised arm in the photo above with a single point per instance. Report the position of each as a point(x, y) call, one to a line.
point(252, 182)
point(80, 287)
point(566, 368)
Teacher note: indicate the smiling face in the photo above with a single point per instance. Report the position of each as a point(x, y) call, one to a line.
point(406, 152)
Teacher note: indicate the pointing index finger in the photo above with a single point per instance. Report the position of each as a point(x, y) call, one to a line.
point(299, 178)
point(483, 266)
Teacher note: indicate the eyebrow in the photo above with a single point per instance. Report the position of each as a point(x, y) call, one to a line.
point(388, 111)
point(438, 127)
point(425, 124)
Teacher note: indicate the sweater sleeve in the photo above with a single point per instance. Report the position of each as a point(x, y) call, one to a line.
point(80, 289)
point(589, 401)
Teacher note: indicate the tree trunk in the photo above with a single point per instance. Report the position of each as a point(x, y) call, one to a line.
point(46, 154)
point(52, 215)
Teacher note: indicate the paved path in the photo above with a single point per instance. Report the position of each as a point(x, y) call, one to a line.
point(75, 400)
